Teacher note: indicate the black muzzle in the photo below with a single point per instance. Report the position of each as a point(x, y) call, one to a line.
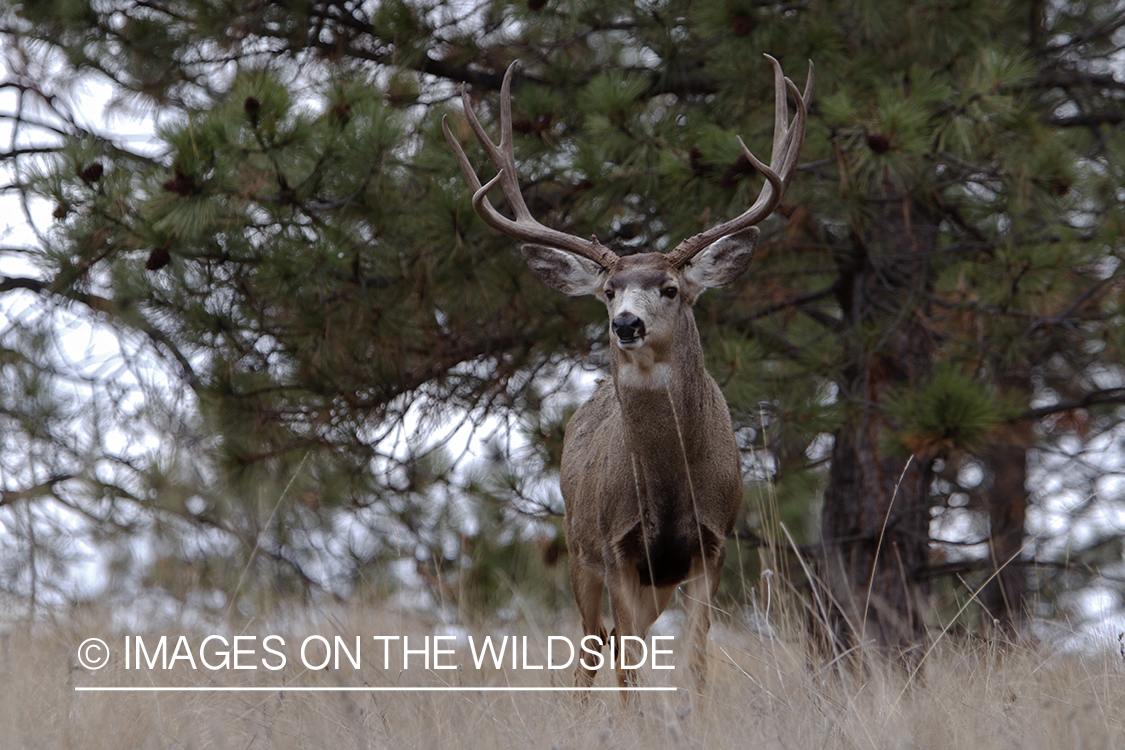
point(628, 327)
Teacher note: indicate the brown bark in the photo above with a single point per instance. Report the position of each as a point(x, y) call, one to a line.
point(1006, 500)
point(1002, 597)
point(875, 524)
point(875, 532)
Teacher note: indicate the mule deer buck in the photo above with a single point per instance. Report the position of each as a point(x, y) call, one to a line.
point(651, 473)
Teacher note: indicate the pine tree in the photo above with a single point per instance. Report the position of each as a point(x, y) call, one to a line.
point(932, 308)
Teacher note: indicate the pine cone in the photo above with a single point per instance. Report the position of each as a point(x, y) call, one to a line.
point(741, 24)
point(92, 172)
point(159, 257)
point(879, 143)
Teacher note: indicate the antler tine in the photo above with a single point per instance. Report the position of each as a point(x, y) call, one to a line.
point(780, 107)
point(504, 155)
point(787, 141)
point(525, 227)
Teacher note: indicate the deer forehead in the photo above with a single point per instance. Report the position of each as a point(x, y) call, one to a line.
point(639, 292)
point(640, 281)
point(650, 271)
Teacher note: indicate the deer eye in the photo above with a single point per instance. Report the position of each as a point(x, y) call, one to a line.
point(609, 293)
point(669, 292)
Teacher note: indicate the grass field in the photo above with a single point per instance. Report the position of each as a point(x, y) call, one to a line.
point(764, 693)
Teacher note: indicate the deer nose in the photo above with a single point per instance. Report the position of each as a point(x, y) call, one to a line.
point(628, 327)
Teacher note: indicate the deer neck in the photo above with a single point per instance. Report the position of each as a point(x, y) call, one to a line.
point(663, 395)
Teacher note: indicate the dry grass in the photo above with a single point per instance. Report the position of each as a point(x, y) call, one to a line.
point(764, 693)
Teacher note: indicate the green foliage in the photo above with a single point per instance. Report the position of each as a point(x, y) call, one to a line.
point(949, 414)
point(302, 251)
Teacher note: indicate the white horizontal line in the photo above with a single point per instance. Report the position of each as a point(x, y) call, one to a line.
point(258, 689)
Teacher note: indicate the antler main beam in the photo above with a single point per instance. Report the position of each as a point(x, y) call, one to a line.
point(524, 227)
point(787, 141)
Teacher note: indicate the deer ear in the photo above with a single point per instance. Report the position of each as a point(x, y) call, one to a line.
point(564, 272)
point(721, 263)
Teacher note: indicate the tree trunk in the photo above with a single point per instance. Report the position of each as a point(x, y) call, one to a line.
point(875, 532)
point(1002, 598)
point(875, 523)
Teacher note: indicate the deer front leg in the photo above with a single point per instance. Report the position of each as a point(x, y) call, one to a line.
point(699, 589)
point(587, 585)
point(635, 609)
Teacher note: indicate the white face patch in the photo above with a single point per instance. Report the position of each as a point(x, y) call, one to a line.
point(642, 360)
point(639, 369)
point(656, 377)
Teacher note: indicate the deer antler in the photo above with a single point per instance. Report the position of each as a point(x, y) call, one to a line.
point(503, 156)
point(787, 142)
